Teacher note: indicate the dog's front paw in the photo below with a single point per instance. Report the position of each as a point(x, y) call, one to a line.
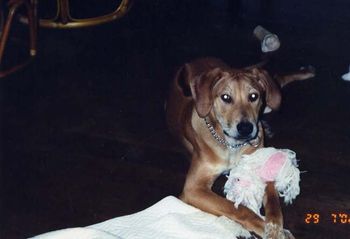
point(288, 234)
point(274, 231)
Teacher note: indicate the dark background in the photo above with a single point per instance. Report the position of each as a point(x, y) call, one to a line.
point(83, 135)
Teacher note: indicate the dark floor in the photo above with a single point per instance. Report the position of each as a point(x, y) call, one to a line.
point(83, 135)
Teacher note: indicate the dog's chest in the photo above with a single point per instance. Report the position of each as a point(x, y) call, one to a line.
point(234, 158)
point(230, 159)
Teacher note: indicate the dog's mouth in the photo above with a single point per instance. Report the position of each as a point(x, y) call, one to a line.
point(243, 138)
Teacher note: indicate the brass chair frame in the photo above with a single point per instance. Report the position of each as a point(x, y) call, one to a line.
point(63, 18)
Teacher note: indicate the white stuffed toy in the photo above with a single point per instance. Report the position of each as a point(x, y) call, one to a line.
point(247, 180)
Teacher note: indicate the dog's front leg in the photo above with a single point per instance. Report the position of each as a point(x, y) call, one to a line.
point(273, 215)
point(197, 192)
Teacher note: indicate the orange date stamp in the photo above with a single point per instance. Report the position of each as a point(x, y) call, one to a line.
point(334, 218)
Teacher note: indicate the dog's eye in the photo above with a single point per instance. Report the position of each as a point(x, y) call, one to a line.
point(253, 97)
point(226, 98)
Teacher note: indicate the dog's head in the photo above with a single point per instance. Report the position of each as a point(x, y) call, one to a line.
point(235, 99)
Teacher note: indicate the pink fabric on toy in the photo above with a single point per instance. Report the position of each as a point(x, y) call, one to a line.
point(268, 172)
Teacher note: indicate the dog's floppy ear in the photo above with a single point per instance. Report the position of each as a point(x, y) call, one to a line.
point(272, 90)
point(201, 88)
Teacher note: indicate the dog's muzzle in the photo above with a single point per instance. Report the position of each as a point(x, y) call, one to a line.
point(244, 131)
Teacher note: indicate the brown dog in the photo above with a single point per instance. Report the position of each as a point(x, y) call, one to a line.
point(214, 110)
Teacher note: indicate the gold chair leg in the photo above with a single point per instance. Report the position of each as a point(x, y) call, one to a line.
point(64, 11)
point(31, 12)
point(32, 16)
point(7, 27)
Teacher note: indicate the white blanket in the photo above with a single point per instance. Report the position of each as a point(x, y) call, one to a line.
point(170, 218)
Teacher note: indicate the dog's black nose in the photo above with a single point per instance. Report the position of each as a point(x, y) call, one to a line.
point(245, 128)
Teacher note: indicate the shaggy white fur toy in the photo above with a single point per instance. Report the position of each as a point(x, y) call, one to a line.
point(247, 180)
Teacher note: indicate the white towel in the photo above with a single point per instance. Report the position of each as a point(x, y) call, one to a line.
point(170, 218)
